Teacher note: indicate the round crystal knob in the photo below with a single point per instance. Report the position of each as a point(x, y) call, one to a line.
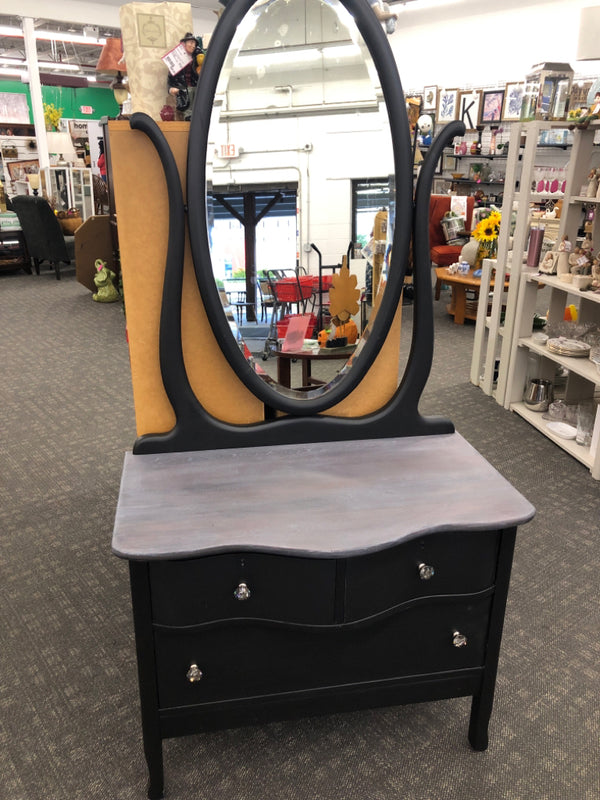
point(194, 673)
point(426, 572)
point(242, 592)
point(459, 639)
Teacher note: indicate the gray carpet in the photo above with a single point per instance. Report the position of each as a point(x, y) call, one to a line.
point(69, 719)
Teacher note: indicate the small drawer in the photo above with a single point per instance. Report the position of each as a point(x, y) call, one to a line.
point(435, 564)
point(229, 586)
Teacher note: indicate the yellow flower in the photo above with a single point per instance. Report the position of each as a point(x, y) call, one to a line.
point(487, 229)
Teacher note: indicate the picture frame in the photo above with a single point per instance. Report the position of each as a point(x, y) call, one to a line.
point(430, 95)
point(448, 163)
point(447, 107)
point(491, 106)
point(441, 186)
point(513, 100)
point(469, 104)
point(18, 170)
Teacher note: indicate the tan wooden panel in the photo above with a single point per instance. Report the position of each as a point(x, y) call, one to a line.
point(142, 221)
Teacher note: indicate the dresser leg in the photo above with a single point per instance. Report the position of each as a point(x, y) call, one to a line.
point(478, 724)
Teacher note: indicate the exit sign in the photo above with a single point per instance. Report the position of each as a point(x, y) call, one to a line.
point(229, 151)
point(86, 109)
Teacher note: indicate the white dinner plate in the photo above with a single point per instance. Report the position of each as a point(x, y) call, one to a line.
point(562, 429)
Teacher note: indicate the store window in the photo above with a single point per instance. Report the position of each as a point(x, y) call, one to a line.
point(273, 208)
point(369, 196)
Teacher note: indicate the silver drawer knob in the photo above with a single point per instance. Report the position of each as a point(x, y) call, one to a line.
point(242, 592)
point(194, 674)
point(426, 572)
point(459, 639)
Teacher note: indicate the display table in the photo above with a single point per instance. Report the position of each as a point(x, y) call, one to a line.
point(272, 582)
point(459, 308)
point(306, 357)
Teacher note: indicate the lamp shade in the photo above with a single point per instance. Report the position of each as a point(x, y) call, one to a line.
point(111, 59)
point(588, 46)
point(60, 143)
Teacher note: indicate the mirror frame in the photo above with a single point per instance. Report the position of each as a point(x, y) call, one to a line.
point(284, 400)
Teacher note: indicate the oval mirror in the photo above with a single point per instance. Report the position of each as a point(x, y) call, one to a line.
point(282, 76)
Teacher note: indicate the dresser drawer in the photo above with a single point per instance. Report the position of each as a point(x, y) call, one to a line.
point(436, 564)
point(245, 659)
point(227, 586)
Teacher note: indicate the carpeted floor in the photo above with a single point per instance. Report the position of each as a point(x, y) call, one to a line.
point(69, 719)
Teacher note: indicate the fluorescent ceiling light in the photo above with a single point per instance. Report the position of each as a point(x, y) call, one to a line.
point(12, 71)
point(20, 62)
point(275, 57)
point(53, 36)
point(421, 5)
point(283, 57)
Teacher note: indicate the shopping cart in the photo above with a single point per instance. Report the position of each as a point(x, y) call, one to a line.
point(292, 292)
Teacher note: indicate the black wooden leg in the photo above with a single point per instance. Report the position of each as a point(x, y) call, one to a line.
point(483, 701)
point(478, 725)
point(57, 270)
point(155, 773)
point(142, 620)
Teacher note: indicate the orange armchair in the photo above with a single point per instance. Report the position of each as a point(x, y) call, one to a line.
point(442, 254)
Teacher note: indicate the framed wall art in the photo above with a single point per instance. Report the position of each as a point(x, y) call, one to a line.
point(513, 100)
point(447, 108)
point(468, 109)
point(491, 106)
point(430, 94)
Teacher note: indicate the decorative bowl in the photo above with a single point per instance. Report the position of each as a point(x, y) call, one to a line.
point(458, 175)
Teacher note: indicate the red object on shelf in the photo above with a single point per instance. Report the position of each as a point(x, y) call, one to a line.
point(326, 281)
point(293, 290)
point(282, 326)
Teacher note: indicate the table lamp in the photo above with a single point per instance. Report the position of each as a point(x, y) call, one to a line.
point(588, 45)
point(112, 62)
point(34, 182)
point(61, 145)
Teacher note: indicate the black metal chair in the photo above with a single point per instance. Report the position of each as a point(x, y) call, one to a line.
point(43, 235)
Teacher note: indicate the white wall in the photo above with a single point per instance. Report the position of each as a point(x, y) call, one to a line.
point(466, 44)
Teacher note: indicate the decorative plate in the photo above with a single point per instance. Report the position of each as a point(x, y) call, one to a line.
point(568, 347)
point(562, 429)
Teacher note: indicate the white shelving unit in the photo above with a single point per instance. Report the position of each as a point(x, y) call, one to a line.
point(583, 378)
point(72, 187)
point(492, 340)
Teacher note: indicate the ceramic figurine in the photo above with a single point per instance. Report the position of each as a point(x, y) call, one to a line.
point(592, 184)
point(107, 293)
point(182, 84)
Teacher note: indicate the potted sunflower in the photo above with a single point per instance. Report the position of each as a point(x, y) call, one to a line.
point(486, 233)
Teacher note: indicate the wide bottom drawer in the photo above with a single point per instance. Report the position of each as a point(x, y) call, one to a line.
point(245, 659)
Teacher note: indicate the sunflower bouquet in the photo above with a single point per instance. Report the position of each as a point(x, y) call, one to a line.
point(486, 232)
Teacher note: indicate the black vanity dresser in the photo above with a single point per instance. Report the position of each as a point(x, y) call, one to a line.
point(293, 552)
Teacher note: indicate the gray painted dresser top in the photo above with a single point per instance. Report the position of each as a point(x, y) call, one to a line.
point(327, 499)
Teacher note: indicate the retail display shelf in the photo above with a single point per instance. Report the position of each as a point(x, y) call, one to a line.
point(535, 418)
point(580, 366)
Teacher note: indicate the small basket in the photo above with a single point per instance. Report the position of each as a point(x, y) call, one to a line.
point(70, 224)
point(294, 290)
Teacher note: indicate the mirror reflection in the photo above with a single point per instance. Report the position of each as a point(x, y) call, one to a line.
point(300, 220)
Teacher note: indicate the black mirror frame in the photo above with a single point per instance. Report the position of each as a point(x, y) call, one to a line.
point(280, 399)
point(195, 428)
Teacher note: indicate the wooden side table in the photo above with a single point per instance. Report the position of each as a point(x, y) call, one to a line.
point(459, 307)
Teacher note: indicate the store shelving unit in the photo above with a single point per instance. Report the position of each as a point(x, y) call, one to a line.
point(71, 187)
point(583, 378)
point(493, 336)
